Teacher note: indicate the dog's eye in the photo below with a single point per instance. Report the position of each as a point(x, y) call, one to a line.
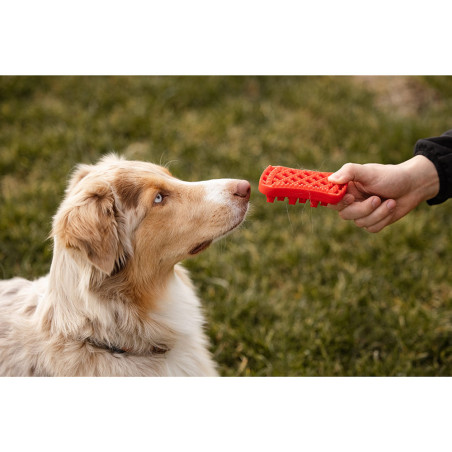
point(158, 199)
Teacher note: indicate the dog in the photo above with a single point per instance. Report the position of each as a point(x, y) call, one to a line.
point(117, 301)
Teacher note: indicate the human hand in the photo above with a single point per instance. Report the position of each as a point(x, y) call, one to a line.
point(378, 195)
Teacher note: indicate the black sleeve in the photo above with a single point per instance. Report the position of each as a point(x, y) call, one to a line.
point(439, 151)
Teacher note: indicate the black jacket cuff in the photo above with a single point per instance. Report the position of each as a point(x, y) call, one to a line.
point(439, 151)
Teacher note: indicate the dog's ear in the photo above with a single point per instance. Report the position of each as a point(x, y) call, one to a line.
point(79, 173)
point(87, 222)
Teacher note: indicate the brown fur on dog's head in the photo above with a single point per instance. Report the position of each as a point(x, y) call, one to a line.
point(110, 219)
point(91, 227)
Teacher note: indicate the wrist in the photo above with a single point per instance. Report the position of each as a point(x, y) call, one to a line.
point(423, 177)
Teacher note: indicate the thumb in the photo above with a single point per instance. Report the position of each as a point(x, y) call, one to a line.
point(349, 172)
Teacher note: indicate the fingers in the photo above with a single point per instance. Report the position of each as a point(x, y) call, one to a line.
point(379, 218)
point(372, 214)
point(343, 203)
point(361, 209)
point(369, 213)
point(348, 172)
point(380, 225)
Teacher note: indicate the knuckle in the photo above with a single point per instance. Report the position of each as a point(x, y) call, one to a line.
point(345, 215)
point(360, 223)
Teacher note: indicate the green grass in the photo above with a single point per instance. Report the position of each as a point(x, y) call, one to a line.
point(297, 291)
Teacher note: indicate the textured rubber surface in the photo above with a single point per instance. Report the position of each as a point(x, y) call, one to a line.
point(281, 182)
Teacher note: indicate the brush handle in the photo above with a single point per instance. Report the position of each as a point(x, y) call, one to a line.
point(280, 182)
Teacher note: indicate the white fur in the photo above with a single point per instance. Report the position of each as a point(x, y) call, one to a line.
point(45, 324)
point(216, 190)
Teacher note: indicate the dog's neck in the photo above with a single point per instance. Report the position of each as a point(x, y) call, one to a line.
point(111, 319)
point(153, 350)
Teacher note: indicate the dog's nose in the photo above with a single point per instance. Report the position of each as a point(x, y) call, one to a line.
point(243, 189)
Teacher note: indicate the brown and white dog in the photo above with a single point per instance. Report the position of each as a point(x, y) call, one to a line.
point(116, 302)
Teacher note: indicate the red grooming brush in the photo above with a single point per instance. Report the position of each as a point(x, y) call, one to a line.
point(281, 182)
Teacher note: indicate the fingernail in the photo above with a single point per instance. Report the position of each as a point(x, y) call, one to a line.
point(336, 178)
point(391, 204)
point(375, 202)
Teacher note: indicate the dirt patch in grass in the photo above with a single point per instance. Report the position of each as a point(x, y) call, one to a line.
point(407, 96)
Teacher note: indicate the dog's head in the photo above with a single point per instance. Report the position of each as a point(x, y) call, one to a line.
point(118, 213)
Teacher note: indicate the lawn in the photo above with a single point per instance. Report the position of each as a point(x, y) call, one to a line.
point(296, 291)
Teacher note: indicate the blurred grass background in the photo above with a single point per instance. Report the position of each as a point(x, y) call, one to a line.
point(296, 291)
